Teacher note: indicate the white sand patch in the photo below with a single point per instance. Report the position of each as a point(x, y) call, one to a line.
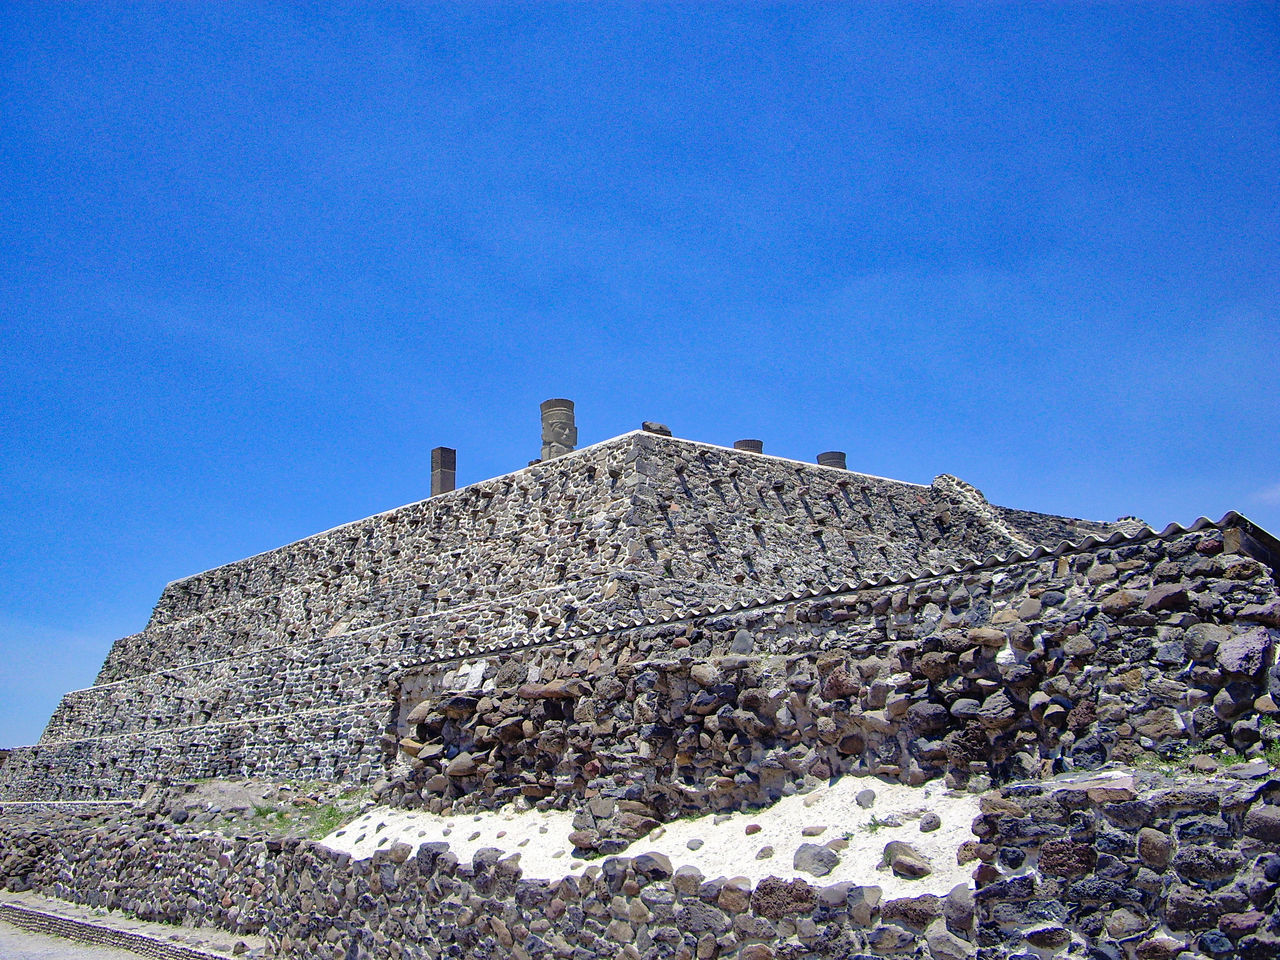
point(729, 851)
point(541, 838)
point(726, 850)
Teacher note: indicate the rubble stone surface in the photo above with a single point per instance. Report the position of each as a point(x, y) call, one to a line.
point(652, 628)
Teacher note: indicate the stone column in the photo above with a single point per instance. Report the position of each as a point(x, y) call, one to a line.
point(444, 470)
point(832, 458)
point(559, 433)
point(751, 446)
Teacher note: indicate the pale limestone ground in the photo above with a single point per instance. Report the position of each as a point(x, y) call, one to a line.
point(18, 944)
point(727, 850)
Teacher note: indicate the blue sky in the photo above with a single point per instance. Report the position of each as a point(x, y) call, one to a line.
point(257, 260)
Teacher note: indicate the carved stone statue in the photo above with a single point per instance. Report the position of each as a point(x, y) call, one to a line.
point(559, 433)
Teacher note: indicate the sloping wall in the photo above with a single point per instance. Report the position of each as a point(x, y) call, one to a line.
point(279, 665)
point(1023, 674)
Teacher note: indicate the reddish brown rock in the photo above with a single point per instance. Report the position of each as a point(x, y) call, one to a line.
point(1155, 848)
point(774, 898)
point(1166, 596)
point(840, 685)
point(916, 912)
point(1066, 858)
point(1237, 925)
point(1119, 603)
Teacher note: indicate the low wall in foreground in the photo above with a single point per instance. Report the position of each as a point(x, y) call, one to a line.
point(1113, 867)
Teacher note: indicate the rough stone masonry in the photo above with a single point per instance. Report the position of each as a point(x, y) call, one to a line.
point(651, 628)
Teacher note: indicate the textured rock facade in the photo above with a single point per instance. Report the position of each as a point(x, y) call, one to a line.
point(1074, 869)
point(651, 628)
point(279, 665)
point(1139, 649)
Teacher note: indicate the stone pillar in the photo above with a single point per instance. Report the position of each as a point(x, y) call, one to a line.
point(751, 446)
point(832, 458)
point(559, 433)
point(444, 470)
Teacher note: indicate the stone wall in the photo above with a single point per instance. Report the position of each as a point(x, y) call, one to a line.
point(1142, 867)
point(96, 934)
point(675, 522)
point(1134, 651)
point(1049, 531)
point(1131, 869)
point(752, 524)
point(1149, 651)
point(1117, 644)
point(484, 544)
point(344, 744)
point(278, 666)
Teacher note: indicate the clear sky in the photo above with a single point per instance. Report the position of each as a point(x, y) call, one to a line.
point(257, 260)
